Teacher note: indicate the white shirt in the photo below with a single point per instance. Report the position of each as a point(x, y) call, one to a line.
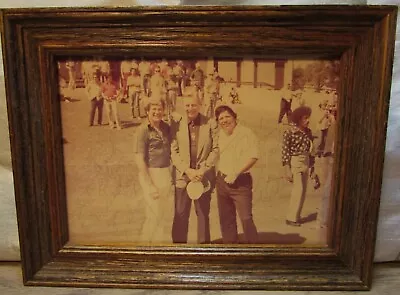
point(236, 150)
point(126, 66)
point(93, 90)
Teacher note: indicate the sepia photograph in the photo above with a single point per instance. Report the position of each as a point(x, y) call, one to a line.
point(200, 147)
point(198, 151)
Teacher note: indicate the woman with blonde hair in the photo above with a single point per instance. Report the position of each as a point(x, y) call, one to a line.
point(152, 156)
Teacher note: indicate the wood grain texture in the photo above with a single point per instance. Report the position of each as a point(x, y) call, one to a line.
point(362, 36)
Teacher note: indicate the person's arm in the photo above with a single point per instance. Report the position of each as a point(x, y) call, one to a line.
point(312, 153)
point(212, 157)
point(176, 156)
point(286, 156)
point(140, 147)
point(230, 178)
point(89, 91)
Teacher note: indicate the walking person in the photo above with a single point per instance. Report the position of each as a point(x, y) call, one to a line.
point(152, 157)
point(125, 72)
point(171, 85)
point(197, 77)
point(212, 92)
point(145, 74)
point(157, 84)
point(286, 104)
point(194, 151)
point(238, 152)
point(70, 65)
point(110, 92)
point(134, 83)
point(324, 123)
point(93, 91)
point(298, 160)
point(178, 72)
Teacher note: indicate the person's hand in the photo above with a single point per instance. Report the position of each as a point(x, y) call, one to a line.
point(288, 174)
point(154, 193)
point(192, 174)
point(312, 172)
point(199, 174)
point(230, 178)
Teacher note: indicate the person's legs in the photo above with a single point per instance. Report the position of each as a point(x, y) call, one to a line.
point(227, 212)
point(282, 111)
point(322, 143)
point(132, 104)
point(108, 113)
point(114, 109)
point(92, 111)
point(137, 103)
point(202, 206)
point(243, 198)
point(100, 111)
point(160, 224)
point(152, 209)
point(180, 224)
point(299, 167)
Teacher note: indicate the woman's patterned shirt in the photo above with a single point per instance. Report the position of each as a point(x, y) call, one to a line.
point(297, 142)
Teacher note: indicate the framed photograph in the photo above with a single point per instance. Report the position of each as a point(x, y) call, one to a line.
point(198, 147)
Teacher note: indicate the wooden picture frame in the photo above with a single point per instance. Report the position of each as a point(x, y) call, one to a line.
point(361, 36)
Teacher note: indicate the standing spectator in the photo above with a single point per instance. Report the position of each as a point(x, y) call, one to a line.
point(152, 156)
point(145, 73)
point(298, 99)
point(165, 68)
point(234, 96)
point(330, 137)
point(178, 72)
point(105, 70)
point(234, 181)
point(211, 97)
point(172, 87)
point(326, 121)
point(70, 65)
point(126, 66)
point(93, 91)
point(110, 93)
point(332, 104)
point(157, 84)
point(298, 158)
point(286, 104)
point(87, 70)
point(197, 78)
point(194, 151)
point(134, 83)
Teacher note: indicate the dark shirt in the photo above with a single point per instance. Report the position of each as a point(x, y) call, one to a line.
point(194, 127)
point(296, 142)
point(154, 145)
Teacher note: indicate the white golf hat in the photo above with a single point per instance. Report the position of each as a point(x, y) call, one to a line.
point(196, 188)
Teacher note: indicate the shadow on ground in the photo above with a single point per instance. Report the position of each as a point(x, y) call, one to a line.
point(273, 238)
point(129, 124)
point(311, 217)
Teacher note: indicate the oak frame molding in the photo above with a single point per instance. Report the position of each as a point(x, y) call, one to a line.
point(361, 36)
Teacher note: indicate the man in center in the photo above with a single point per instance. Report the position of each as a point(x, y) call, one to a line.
point(194, 151)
